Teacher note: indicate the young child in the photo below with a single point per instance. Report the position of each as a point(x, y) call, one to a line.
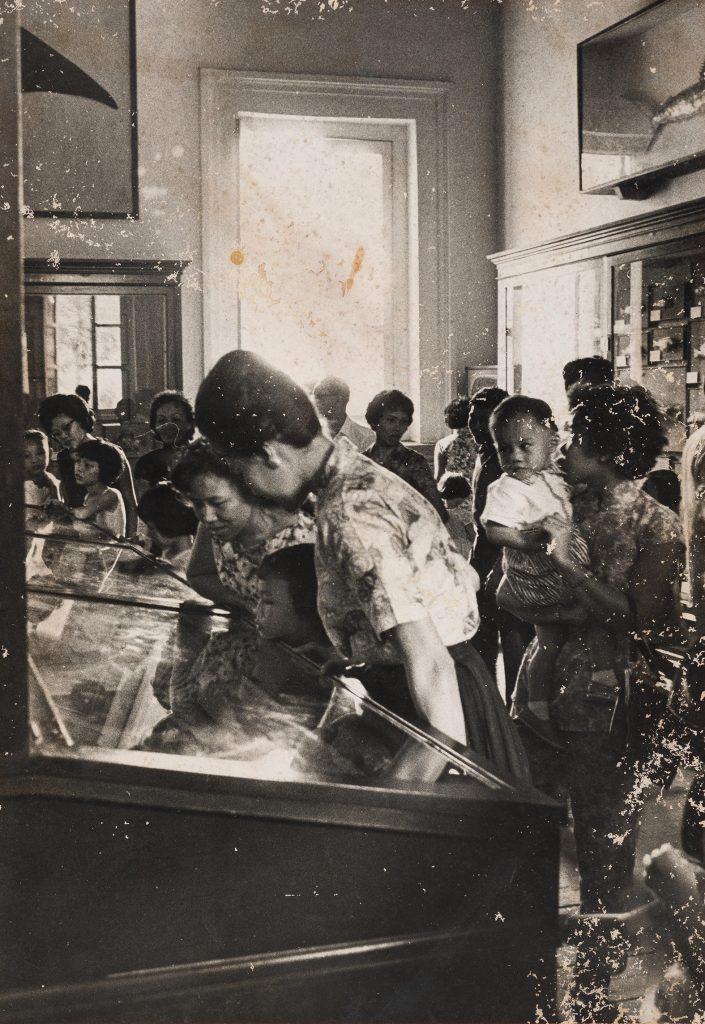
point(39, 485)
point(288, 611)
point(455, 491)
point(170, 522)
point(97, 468)
point(530, 490)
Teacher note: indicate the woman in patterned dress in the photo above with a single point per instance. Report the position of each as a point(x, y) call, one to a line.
point(392, 589)
point(631, 587)
point(390, 414)
point(234, 536)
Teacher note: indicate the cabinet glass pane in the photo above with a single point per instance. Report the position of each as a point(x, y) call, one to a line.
point(108, 346)
point(109, 388)
point(128, 663)
point(107, 309)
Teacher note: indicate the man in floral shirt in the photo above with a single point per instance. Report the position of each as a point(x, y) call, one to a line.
point(392, 588)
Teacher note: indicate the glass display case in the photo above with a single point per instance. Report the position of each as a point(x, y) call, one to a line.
point(206, 826)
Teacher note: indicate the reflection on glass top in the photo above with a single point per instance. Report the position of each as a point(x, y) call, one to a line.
point(128, 663)
point(75, 557)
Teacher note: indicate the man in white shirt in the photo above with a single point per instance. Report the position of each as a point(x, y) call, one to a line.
point(693, 512)
point(330, 397)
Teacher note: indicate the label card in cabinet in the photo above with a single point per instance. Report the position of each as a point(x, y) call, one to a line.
point(692, 377)
point(655, 355)
point(620, 362)
point(654, 316)
point(620, 327)
point(696, 312)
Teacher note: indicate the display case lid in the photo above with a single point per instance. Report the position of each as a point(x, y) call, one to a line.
point(128, 665)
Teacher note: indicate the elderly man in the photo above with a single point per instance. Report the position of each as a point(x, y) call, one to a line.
point(331, 396)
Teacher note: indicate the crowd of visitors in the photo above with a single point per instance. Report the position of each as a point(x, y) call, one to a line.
point(559, 548)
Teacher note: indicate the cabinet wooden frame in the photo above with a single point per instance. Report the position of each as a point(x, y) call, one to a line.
point(122, 277)
point(671, 232)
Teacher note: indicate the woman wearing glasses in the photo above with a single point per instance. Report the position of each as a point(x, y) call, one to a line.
point(69, 422)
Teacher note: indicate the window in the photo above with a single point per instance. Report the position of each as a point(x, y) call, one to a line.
point(315, 284)
point(112, 327)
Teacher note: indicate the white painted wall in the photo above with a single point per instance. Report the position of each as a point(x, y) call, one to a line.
point(373, 38)
point(539, 131)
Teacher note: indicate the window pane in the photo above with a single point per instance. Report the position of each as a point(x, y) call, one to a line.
point(74, 341)
point(316, 281)
point(108, 346)
point(109, 388)
point(107, 309)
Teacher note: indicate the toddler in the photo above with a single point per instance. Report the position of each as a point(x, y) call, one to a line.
point(97, 467)
point(39, 485)
point(171, 523)
point(529, 490)
point(456, 492)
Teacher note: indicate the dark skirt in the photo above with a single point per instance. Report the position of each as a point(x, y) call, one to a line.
point(490, 732)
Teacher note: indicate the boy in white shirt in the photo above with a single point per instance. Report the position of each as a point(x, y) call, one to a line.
point(529, 491)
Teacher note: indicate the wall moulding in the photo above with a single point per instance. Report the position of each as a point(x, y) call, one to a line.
point(646, 229)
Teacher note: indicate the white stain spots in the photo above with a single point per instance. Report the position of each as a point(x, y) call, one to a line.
point(54, 259)
point(177, 152)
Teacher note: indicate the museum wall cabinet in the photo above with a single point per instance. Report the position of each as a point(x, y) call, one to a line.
point(633, 291)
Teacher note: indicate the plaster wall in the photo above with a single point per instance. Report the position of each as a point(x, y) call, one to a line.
point(408, 39)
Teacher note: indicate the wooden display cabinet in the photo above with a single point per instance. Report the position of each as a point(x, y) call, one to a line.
point(633, 291)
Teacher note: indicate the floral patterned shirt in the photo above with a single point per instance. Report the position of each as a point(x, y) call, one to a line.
point(412, 467)
point(383, 558)
point(457, 453)
point(594, 658)
point(237, 567)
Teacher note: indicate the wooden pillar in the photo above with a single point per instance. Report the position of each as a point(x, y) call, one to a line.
point(13, 645)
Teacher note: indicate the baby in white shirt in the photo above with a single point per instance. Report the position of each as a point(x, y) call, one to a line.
point(529, 491)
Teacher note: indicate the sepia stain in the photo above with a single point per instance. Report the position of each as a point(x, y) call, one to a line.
point(237, 257)
point(354, 270)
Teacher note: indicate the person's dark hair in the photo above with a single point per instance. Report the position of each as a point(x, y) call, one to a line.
point(84, 392)
point(163, 506)
point(454, 485)
point(624, 424)
point(244, 403)
point(295, 565)
point(170, 397)
point(588, 370)
point(664, 486)
point(39, 438)
point(482, 404)
point(522, 405)
point(456, 412)
point(197, 460)
point(388, 401)
point(65, 405)
point(107, 456)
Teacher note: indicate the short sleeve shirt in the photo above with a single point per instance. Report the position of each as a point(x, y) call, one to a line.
point(520, 504)
point(383, 559)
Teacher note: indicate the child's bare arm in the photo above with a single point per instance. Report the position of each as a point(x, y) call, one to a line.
point(104, 502)
point(511, 537)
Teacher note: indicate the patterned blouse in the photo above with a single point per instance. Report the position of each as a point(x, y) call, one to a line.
point(383, 558)
point(412, 467)
point(457, 452)
point(592, 661)
point(237, 567)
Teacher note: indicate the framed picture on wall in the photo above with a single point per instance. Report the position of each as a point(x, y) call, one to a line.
point(478, 377)
point(79, 109)
point(642, 99)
